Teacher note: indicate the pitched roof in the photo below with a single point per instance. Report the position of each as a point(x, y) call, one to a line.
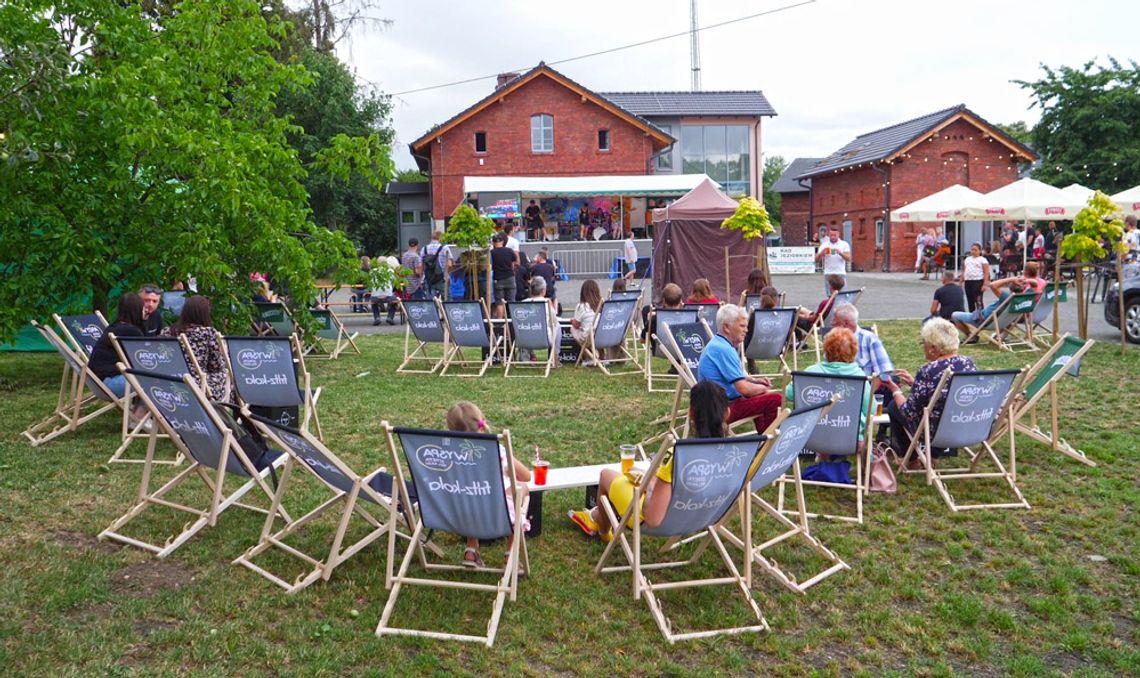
point(662, 138)
point(886, 143)
point(787, 182)
point(406, 187)
point(693, 103)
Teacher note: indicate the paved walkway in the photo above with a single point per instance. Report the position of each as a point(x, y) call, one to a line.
point(887, 296)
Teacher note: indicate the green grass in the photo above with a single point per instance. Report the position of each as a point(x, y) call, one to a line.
point(929, 592)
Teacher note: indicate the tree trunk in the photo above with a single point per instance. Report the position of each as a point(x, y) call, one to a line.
point(1120, 297)
point(1081, 301)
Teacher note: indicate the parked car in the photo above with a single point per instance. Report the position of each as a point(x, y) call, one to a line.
point(1131, 303)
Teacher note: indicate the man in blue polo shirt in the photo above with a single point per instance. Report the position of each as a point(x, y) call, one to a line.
point(720, 363)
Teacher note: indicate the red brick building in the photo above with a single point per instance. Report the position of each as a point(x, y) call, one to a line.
point(855, 188)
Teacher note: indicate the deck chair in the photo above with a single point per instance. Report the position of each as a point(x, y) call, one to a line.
point(612, 324)
point(534, 327)
point(82, 395)
point(209, 437)
point(706, 312)
point(1010, 326)
point(331, 329)
point(273, 319)
point(710, 477)
point(792, 432)
point(366, 498)
point(633, 342)
point(751, 302)
point(159, 355)
point(82, 331)
point(657, 318)
point(423, 319)
point(270, 378)
point(1044, 310)
point(836, 434)
point(462, 490)
point(468, 326)
point(682, 345)
point(771, 336)
point(973, 407)
point(1041, 380)
point(842, 297)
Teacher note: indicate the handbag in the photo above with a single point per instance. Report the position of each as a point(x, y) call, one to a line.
point(882, 475)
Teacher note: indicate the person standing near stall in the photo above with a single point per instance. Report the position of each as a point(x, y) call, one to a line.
point(834, 253)
point(534, 221)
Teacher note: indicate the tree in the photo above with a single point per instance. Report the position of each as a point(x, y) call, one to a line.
point(1019, 131)
point(1089, 130)
point(1096, 225)
point(412, 176)
point(774, 167)
point(140, 149)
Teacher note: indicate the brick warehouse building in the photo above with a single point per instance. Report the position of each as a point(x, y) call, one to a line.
point(585, 133)
point(855, 188)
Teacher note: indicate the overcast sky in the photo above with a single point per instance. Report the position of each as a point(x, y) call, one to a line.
point(832, 69)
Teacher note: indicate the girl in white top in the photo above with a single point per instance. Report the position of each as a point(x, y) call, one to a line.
point(975, 276)
point(589, 302)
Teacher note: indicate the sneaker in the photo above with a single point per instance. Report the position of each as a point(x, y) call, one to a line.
point(375, 322)
point(391, 322)
point(583, 520)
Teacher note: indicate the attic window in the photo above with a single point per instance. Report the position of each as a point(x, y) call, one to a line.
point(480, 142)
point(603, 140)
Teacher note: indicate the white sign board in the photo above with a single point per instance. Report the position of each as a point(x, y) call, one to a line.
point(791, 260)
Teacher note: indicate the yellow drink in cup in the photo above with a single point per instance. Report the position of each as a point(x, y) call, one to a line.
point(628, 454)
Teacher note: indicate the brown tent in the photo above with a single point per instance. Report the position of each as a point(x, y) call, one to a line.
point(689, 244)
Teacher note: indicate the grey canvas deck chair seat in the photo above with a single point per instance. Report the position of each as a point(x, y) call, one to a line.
point(682, 345)
point(710, 477)
point(608, 337)
point(462, 490)
point(209, 438)
point(1043, 311)
point(272, 319)
point(836, 435)
point(330, 329)
point(355, 498)
point(469, 327)
point(82, 396)
point(1039, 382)
point(792, 433)
point(1010, 326)
point(271, 379)
point(423, 320)
point(658, 317)
point(82, 332)
point(633, 339)
point(159, 355)
point(534, 330)
point(841, 297)
point(771, 337)
point(707, 312)
point(975, 405)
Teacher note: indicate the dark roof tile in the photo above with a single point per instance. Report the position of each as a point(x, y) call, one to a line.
point(787, 182)
point(655, 104)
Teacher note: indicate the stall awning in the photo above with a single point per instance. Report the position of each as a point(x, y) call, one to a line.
point(663, 185)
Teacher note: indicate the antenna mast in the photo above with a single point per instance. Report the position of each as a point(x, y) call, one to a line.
point(694, 46)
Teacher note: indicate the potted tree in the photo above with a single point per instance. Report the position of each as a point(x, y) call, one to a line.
point(1099, 222)
point(472, 232)
point(751, 219)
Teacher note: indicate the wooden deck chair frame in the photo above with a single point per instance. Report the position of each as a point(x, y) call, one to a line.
point(334, 331)
point(353, 496)
point(71, 327)
point(1006, 329)
point(424, 332)
point(745, 450)
point(518, 560)
point(465, 337)
point(1044, 310)
point(758, 320)
point(307, 396)
point(592, 352)
point(813, 338)
point(82, 395)
point(227, 459)
point(938, 476)
point(1025, 404)
point(633, 338)
point(791, 430)
point(531, 310)
point(266, 327)
point(132, 431)
point(650, 352)
point(861, 456)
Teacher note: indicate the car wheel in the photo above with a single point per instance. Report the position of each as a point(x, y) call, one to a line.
point(1132, 320)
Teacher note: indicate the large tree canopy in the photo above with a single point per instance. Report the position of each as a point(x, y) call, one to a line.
point(1089, 132)
point(141, 148)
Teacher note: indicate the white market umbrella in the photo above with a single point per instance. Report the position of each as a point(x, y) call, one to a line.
point(1026, 200)
point(1082, 193)
point(1129, 200)
point(945, 205)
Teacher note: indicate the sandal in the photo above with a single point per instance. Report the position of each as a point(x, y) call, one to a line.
point(476, 560)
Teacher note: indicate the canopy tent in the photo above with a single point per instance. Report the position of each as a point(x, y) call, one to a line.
point(1026, 199)
point(654, 185)
point(945, 205)
point(690, 244)
point(1129, 200)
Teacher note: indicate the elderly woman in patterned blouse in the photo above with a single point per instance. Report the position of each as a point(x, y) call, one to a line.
point(940, 345)
point(196, 324)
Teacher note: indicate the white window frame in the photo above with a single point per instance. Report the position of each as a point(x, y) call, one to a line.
point(880, 232)
point(542, 133)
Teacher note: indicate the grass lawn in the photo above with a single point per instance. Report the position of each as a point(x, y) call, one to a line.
point(1008, 592)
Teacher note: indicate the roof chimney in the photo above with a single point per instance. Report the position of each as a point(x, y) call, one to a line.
point(504, 78)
